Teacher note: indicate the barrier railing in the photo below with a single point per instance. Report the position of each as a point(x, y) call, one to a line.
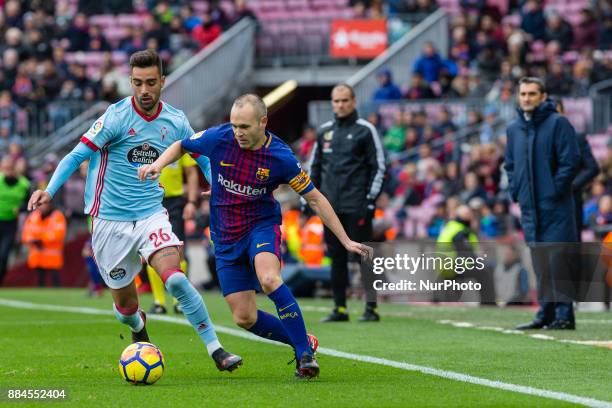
point(196, 86)
point(601, 93)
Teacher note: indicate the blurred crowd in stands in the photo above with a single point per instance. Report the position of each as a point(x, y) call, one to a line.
point(58, 56)
point(489, 51)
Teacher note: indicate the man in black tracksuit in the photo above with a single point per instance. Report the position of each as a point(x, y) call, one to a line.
point(348, 167)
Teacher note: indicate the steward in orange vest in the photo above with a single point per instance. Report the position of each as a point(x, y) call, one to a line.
point(44, 233)
point(312, 250)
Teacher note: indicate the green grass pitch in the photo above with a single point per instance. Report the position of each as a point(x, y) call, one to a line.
point(79, 353)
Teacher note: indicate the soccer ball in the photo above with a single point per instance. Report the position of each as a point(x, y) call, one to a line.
point(141, 363)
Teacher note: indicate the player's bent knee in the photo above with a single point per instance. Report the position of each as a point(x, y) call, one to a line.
point(270, 282)
point(245, 320)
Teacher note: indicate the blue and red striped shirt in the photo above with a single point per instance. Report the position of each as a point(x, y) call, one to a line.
point(242, 181)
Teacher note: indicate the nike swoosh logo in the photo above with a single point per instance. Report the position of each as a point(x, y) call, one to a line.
point(281, 309)
point(223, 164)
point(260, 245)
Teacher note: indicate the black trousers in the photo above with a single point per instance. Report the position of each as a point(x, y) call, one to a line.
point(359, 228)
point(55, 277)
point(8, 229)
point(175, 206)
point(553, 264)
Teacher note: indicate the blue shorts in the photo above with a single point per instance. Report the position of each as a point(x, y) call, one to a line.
point(234, 261)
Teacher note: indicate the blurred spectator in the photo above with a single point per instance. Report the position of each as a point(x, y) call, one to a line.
point(512, 279)
point(605, 39)
point(395, 139)
point(601, 221)
point(306, 143)
point(533, 21)
point(217, 14)
point(375, 119)
point(77, 33)
point(135, 40)
point(598, 189)
point(489, 131)
point(558, 82)
point(189, 18)
point(586, 34)
point(97, 42)
point(8, 113)
point(488, 62)
point(459, 87)
point(14, 191)
point(452, 182)
point(44, 232)
point(581, 79)
point(387, 90)
point(430, 64)
point(472, 189)
point(207, 32)
point(473, 6)
point(419, 88)
point(437, 221)
point(557, 29)
point(444, 123)
point(163, 13)
point(73, 200)
point(241, 11)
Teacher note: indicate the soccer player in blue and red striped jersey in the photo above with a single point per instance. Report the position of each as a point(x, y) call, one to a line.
point(247, 165)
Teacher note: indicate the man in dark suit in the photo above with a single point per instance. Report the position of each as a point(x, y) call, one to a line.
point(542, 158)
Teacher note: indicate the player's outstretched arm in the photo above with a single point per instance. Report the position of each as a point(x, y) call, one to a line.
point(323, 208)
point(64, 170)
point(172, 154)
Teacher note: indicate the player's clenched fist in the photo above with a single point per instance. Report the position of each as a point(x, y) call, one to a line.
point(150, 171)
point(37, 199)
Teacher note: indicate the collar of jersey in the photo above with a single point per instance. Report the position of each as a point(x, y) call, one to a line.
point(145, 117)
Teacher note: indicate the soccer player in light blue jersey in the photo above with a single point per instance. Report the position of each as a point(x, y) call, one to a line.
point(247, 164)
point(129, 222)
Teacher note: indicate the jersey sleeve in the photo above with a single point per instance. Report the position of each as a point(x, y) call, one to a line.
point(198, 144)
point(102, 131)
point(186, 130)
point(295, 176)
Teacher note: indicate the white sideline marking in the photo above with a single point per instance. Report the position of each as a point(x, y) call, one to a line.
point(598, 343)
point(595, 321)
point(451, 375)
point(542, 337)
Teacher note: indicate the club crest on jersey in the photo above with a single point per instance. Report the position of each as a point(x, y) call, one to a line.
point(328, 135)
point(163, 132)
point(143, 154)
point(262, 174)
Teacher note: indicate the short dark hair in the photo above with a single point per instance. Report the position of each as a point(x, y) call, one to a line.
point(347, 86)
point(146, 58)
point(533, 80)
